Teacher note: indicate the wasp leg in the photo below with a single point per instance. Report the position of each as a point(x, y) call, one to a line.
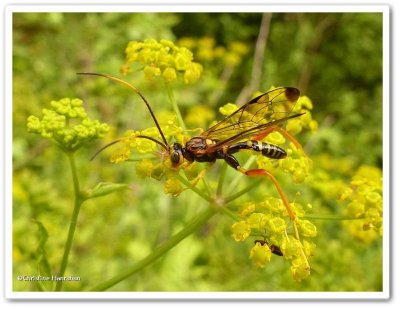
point(269, 130)
point(233, 162)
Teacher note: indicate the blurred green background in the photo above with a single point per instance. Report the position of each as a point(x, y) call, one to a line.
point(333, 58)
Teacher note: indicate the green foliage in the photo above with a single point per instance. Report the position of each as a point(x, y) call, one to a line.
point(41, 258)
point(335, 59)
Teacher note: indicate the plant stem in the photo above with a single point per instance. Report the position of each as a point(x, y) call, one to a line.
point(194, 189)
point(175, 105)
point(192, 226)
point(221, 179)
point(241, 192)
point(229, 213)
point(330, 217)
point(78, 200)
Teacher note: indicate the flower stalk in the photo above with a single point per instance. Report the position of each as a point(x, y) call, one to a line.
point(78, 200)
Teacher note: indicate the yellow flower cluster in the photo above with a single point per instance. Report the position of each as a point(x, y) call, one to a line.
point(162, 58)
point(364, 197)
point(268, 220)
point(199, 116)
point(206, 50)
point(67, 124)
point(161, 167)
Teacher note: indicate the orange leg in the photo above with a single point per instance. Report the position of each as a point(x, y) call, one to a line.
point(231, 160)
point(263, 173)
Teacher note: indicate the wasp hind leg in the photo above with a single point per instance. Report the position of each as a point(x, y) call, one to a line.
point(233, 162)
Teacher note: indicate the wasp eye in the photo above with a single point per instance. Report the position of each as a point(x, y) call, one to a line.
point(175, 157)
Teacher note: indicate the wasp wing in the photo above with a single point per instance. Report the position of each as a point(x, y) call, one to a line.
point(250, 132)
point(255, 115)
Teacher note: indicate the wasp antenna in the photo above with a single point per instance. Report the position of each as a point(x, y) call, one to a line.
point(136, 91)
point(104, 147)
point(154, 140)
point(118, 140)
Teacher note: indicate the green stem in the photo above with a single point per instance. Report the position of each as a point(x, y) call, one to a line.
point(192, 226)
point(221, 179)
point(338, 218)
point(78, 200)
point(175, 106)
point(241, 192)
point(229, 213)
point(206, 186)
point(194, 189)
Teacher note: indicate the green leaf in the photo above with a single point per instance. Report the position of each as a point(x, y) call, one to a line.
point(44, 269)
point(105, 188)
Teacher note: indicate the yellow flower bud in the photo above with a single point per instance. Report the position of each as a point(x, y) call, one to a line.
point(150, 72)
point(290, 247)
point(276, 225)
point(257, 220)
point(173, 186)
point(307, 229)
point(300, 269)
point(260, 254)
point(169, 74)
point(240, 230)
point(228, 109)
point(144, 168)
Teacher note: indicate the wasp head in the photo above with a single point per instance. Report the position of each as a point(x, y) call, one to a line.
point(176, 154)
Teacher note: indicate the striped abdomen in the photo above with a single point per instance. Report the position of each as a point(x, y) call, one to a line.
point(268, 150)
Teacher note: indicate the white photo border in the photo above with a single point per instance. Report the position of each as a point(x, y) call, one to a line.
point(9, 10)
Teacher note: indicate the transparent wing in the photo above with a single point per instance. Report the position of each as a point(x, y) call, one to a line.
point(259, 113)
point(250, 132)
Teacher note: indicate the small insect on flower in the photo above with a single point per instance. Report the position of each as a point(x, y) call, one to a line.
point(243, 129)
point(274, 249)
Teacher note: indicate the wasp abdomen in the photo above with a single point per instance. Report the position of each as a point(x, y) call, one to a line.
point(268, 150)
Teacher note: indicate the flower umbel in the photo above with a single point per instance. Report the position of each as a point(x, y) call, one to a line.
point(207, 51)
point(268, 219)
point(162, 58)
point(364, 197)
point(67, 124)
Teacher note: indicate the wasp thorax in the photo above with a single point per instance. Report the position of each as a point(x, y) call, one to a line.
point(195, 144)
